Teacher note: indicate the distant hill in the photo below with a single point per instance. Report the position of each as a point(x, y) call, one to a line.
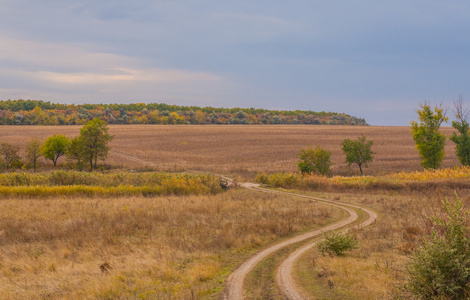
point(38, 112)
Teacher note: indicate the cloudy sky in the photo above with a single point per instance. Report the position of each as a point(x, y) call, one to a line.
point(372, 59)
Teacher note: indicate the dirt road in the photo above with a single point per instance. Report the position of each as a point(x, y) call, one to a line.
point(234, 284)
point(284, 273)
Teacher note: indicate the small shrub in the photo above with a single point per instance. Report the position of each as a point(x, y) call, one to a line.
point(336, 243)
point(440, 268)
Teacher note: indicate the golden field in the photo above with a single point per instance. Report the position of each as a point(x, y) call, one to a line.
point(243, 149)
point(140, 247)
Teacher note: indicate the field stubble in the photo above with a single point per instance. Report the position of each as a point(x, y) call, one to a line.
point(244, 150)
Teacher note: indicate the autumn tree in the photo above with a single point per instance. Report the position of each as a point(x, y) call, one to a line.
point(429, 141)
point(358, 151)
point(33, 152)
point(10, 155)
point(54, 147)
point(461, 140)
point(94, 137)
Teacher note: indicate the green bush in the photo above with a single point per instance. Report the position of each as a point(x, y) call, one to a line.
point(336, 243)
point(316, 160)
point(440, 268)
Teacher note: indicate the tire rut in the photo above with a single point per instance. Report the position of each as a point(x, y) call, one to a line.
point(234, 284)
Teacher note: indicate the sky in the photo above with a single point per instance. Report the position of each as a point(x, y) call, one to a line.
point(373, 59)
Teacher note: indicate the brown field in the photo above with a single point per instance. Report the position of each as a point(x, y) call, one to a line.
point(243, 150)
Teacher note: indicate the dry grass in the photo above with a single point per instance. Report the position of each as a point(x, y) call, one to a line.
point(455, 179)
point(73, 183)
point(155, 248)
point(378, 269)
point(241, 149)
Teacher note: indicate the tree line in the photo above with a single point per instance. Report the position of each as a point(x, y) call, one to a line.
point(83, 150)
point(37, 112)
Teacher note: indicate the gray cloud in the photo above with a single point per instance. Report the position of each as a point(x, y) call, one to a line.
point(376, 60)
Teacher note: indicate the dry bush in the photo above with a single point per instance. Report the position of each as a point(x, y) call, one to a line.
point(163, 247)
point(243, 149)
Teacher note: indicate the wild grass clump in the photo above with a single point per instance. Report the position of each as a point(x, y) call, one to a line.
point(447, 173)
point(337, 243)
point(74, 183)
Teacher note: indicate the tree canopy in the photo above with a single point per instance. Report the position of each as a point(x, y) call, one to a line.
point(54, 147)
point(93, 141)
point(461, 140)
point(358, 151)
point(429, 141)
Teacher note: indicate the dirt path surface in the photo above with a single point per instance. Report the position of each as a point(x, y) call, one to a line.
point(284, 273)
point(234, 284)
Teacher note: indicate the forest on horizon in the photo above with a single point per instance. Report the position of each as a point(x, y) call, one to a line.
point(38, 112)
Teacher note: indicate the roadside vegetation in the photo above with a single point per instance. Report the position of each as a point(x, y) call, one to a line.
point(456, 178)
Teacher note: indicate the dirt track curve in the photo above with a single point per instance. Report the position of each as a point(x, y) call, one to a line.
point(234, 283)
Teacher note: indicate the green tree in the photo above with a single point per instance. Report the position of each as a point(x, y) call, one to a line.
point(54, 147)
point(76, 151)
point(314, 160)
point(33, 152)
point(10, 155)
point(440, 268)
point(429, 141)
point(358, 152)
point(95, 138)
point(462, 141)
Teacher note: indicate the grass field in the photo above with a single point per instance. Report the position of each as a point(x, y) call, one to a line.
point(183, 247)
point(136, 247)
point(243, 150)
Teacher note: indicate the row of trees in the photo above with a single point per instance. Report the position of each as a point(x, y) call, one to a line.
point(318, 160)
point(87, 148)
point(34, 112)
point(430, 142)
